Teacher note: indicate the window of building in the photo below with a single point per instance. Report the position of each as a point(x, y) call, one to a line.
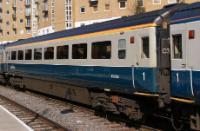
point(95, 8)
point(122, 48)
point(101, 50)
point(7, 12)
point(28, 54)
point(122, 4)
point(107, 6)
point(49, 53)
point(38, 54)
point(172, 1)
point(177, 46)
point(156, 1)
point(82, 9)
point(62, 52)
point(79, 51)
point(7, 23)
point(20, 54)
point(21, 20)
point(145, 47)
point(13, 55)
point(140, 3)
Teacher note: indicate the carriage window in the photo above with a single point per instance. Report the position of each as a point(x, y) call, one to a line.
point(177, 46)
point(38, 54)
point(20, 54)
point(79, 51)
point(62, 52)
point(145, 47)
point(13, 55)
point(101, 50)
point(49, 53)
point(28, 54)
point(8, 55)
point(122, 49)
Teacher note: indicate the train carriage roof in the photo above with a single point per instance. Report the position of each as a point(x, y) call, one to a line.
point(187, 14)
point(140, 19)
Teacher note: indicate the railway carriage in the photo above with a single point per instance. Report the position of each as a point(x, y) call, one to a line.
point(102, 65)
point(2, 61)
point(133, 65)
point(185, 62)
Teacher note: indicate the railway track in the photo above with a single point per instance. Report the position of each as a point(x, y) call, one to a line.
point(33, 120)
point(36, 110)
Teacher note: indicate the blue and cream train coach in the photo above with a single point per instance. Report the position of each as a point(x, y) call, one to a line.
point(133, 62)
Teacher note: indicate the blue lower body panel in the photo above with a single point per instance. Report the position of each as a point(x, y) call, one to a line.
point(114, 78)
point(186, 84)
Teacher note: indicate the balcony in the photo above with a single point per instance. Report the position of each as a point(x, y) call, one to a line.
point(93, 2)
point(28, 25)
point(45, 9)
point(14, 5)
point(14, 16)
point(1, 19)
point(0, 6)
point(36, 13)
point(27, 13)
point(14, 25)
point(27, 3)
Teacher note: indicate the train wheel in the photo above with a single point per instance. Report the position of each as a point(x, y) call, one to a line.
point(176, 121)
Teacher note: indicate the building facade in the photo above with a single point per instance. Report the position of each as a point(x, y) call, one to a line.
point(15, 20)
point(20, 19)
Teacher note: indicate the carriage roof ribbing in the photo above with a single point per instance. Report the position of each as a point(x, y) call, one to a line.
point(134, 20)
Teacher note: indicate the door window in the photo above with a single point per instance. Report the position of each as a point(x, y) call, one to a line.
point(122, 49)
point(145, 47)
point(177, 46)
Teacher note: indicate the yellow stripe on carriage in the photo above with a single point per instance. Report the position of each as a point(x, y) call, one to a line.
point(183, 100)
point(172, 98)
point(107, 32)
point(145, 94)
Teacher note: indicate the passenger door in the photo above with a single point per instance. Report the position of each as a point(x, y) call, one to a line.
point(180, 82)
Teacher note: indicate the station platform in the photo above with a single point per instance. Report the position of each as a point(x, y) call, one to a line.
point(9, 122)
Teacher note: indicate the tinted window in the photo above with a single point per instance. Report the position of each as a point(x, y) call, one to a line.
point(145, 47)
point(49, 53)
point(122, 49)
point(177, 46)
point(79, 51)
point(101, 50)
point(38, 54)
point(28, 54)
point(62, 52)
point(20, 55)
point(13, 55)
